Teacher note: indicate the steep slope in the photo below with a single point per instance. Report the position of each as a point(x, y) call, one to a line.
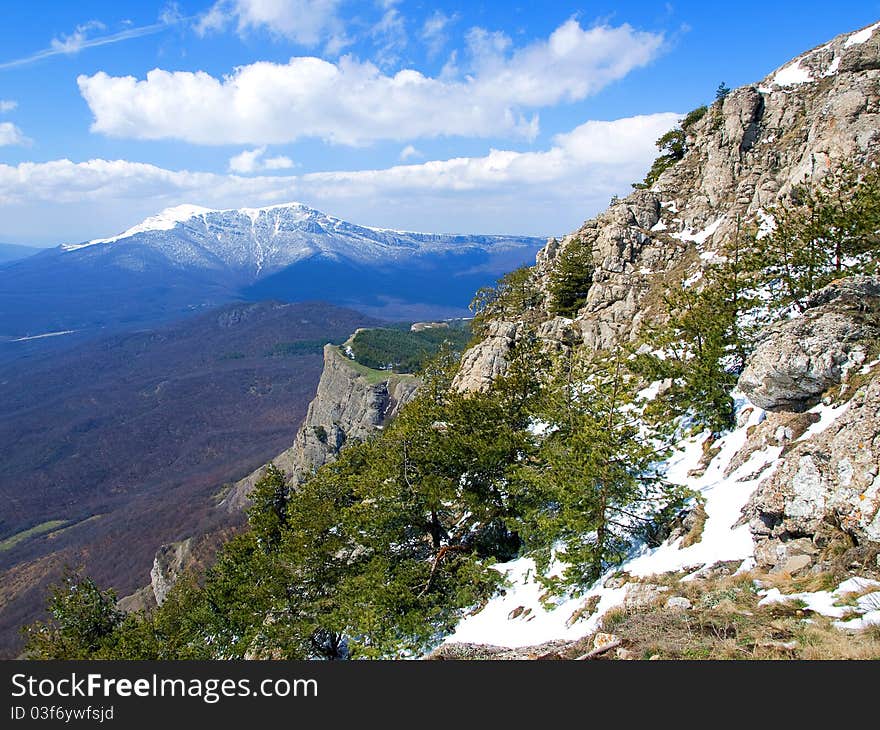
point(189, 257)
point(787, 522)
point(788, 502)
point(351, 403)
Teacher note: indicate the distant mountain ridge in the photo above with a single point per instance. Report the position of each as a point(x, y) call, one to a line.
point(13, 252)
point(188, 257)
point(265, 239)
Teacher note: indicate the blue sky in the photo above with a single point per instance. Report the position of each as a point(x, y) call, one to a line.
point(455, 117)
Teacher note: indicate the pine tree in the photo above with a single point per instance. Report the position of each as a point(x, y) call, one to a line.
point(830, 228)
point(571, 278)
point(593, 483)
point(267, 514)
point(82, 624)
point(672, 146)
point(700, 344)
point(514, 297)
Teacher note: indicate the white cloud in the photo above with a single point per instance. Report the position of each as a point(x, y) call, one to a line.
point(354, 102)
point(170, 14)
point(307, 22)
point(390, 37)
point(603, 155)
point(250, 161)
point(434, 31)
point(409, 152)
point(547, 192)
point(278, 163)
point(74, 42)
point(7, 105)
point(11, 135)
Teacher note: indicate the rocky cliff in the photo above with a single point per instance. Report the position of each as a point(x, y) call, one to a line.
point(826, 486)
point(743, 156)
point(786, 523)
point(351, 403)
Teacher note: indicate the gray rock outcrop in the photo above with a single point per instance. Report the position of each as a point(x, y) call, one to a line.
point(168, 565)
point(742, 158)
point(350, 403)
point(826, 485)
point(798, 359)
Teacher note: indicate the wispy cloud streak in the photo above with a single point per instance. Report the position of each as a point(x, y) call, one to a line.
point(77, 42)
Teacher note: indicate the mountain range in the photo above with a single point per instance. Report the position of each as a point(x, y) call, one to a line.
point(188, 257)
point(14, 252)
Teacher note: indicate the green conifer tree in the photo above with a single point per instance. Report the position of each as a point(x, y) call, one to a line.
point(571, 278)
point(267, 513)
point(593, 483)
point(82, 624)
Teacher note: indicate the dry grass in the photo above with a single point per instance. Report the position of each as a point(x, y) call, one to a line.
point(726, 622)
point(695, 534)
point(825, 581)
point(822, 641)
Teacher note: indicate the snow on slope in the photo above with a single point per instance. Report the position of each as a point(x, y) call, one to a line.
point(809, 67)
point(261, 239)
point(833, 603)
point(517, 617)
point(165, 221)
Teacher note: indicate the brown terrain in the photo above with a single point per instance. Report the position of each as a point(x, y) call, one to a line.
point(112, 448)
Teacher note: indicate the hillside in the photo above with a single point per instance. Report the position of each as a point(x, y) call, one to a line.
point(662, 443)
point(118, 446)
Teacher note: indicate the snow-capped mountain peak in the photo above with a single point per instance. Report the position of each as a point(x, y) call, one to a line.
point(164, 221)
point(254, 241)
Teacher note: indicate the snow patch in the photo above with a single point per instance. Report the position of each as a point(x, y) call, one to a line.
point(767, 224)
point(700, 237)
point(864, 613)
point(164, 221)
point(792, 74)
point(692, 279)
point(861, 36)
point(832, 67)
point(827, 415)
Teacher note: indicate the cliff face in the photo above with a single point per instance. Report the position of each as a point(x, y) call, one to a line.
point(743, 155)
point(351, 403)
point(792, 493)
point(826, 483)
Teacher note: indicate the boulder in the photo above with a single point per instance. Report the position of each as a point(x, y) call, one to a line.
point(797, 360)
point(800, 359)
point(824, 485)
point(678, 603)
